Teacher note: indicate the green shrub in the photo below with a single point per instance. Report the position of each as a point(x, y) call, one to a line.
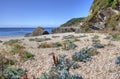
point(116, 38)
point(11, 73)
point(96, 42)
point(68, 37)
point(39, 39)
point(64, 74)
point(84, 55)
point(61, 70)
point(69, 45)
point(117, 61)
point(26, 55)
point(50, 45)
point(7, 62)
point(11, 42)
point(84, 35)
point(16, 49)
point(55, 36)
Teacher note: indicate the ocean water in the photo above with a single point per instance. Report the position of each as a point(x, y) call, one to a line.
point(18, 31)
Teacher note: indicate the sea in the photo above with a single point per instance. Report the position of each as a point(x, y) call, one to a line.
point(19, 31)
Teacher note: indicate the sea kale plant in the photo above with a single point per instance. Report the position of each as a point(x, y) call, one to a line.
point(60, 69)
point(83, 35)
point(64, 74)
point(64, 63)
point(96, 42)
point(68, 45)
point(6, 72)
point(68, 37)
point(117, 61)
point(12, 73)
point(84, 55)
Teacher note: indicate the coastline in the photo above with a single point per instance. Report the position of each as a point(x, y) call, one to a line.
point(5, 38)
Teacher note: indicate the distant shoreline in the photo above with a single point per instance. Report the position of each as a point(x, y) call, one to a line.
point(17, 31)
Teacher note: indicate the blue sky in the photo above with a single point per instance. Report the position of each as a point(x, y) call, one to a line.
point(41, 12)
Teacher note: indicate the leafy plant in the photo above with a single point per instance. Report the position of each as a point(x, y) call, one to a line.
point(84, 55)
point(117, 61)
point(84, 35)
point(39, 39)
point(11, 73)
point(16, 49)
point(63, 75)
point(68, 37)
point(96, 42)
point(69, 45)
point(64, 63)
point(55, 36)
point(50, 45)
point(60, 69)
point(108, 37)
point(11, 42)
point(26, 55)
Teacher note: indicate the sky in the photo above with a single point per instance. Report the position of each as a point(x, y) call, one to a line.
point(41, 12)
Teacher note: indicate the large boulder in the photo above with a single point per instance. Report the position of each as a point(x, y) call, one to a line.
point(38, 31)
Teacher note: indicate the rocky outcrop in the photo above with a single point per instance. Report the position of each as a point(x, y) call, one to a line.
point(104, 15)
point(66, 29)
point(38, 31)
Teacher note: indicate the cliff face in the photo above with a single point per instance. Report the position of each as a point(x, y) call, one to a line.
point(104, 16)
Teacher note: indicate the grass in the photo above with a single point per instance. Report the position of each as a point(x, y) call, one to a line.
point(16, 49)
point(50, 45)
point(39, 39)
point(115, 36)
point(11, 42)
point(26, 55)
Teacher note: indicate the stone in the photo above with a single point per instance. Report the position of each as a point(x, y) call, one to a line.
point(38, 31)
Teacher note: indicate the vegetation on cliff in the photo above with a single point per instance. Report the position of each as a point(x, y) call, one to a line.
point(73, 22)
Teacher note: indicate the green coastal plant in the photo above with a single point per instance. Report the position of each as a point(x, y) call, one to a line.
point(16, 49)
point(68, 45)
point(84, 55)
point(117, 61)
point(39, 39)
point(60, 69)
point(25, 55)
point(63, 75)
point(12, 73)
point(11, 42)
point(68, 37)
point(50, 45)
point(83, 35)
point(96, 42)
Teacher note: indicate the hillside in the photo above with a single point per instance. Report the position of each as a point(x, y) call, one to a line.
point(72, 22)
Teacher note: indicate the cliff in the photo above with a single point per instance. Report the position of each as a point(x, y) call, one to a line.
point(104, 16)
